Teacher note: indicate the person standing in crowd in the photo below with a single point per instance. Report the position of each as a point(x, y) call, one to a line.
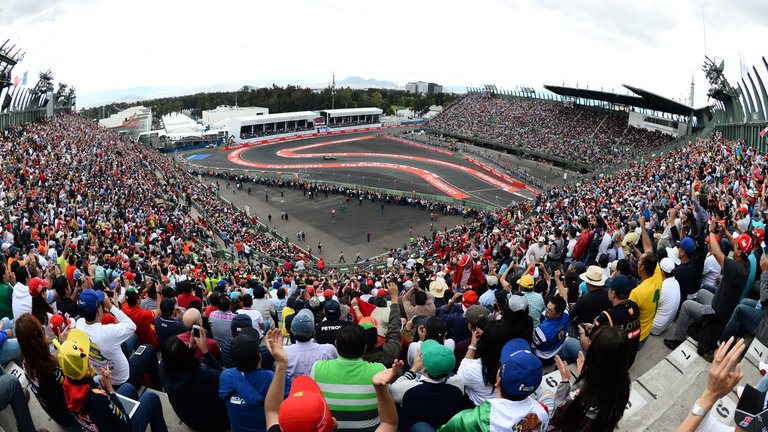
point(670, 297)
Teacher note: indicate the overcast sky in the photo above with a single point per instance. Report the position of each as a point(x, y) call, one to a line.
point(656, 45)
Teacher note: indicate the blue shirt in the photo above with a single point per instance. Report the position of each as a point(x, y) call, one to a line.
point(549, 335)
point(244, 394)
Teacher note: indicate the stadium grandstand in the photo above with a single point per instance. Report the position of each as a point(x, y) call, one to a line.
point(624, 285)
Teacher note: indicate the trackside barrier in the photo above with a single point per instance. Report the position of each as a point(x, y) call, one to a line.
point(499, 174)
point(312, 135)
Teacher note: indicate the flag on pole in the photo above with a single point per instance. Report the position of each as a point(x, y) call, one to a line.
point(764, 131)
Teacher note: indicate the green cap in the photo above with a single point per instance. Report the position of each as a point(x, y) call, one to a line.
point(438, 359)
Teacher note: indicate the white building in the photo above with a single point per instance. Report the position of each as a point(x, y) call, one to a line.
point(224, 112)
point(130, 122)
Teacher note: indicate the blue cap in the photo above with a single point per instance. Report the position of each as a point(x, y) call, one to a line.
point(520, 370)
point(234, 295)
point(621, 284)
point(332, 308)
point(222, 283)
point(688, 245)
point(276, 284)
point(240, 322)
point(89, 300)
point(303, 324)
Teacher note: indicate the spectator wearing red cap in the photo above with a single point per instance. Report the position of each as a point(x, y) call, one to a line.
point(468, 274)
point(306, 397)
point(454, 316)
point(722, 303)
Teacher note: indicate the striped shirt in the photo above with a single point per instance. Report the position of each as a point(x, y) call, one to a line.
point(347, 387)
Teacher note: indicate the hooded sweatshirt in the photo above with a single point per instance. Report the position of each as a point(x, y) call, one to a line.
point(244, 394)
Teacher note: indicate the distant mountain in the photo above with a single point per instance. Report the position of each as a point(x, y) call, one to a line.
point(367, 83)
point(134, 94)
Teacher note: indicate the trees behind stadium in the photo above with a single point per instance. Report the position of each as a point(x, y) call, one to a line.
point(288, 99)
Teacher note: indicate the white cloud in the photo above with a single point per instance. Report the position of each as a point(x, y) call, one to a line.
point(100, 45)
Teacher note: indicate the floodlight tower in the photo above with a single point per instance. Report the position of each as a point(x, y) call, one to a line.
point(8, 60)
point(333, 91)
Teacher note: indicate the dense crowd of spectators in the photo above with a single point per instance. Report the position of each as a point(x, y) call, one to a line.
point(580, 135)
point(99, 281)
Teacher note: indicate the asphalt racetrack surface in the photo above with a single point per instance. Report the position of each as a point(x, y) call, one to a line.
point(369, 160)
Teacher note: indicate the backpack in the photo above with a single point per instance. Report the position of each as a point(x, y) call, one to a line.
point(594, 241)
point(556, 254)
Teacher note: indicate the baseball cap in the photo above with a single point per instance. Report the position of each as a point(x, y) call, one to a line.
point(520, 370)
point(745, 242)
point(525, 281)
point(73, 354)
point(517, 301)
point(57, 323)
point(367, 322)
point(470, 298)
point(240, 322)
point(305, 397)
point(751, 411)
point(688, 245)
point(36, 286)
point(328, 294)
point(667, 265)
point(492, 281)
point(438, 359)
point(620, 284)
point(89, 300)
point(332, 309)
point(314, 303)
point(244, 350)
point(476, 315)
point(303, 324)
point(673, 254)
point(759, 234)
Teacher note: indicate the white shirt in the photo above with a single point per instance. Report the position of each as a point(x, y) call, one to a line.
point(506, 414)
point(21, 301)
point(711, 271)
point(256, 319)
point(108, 338)
point(535, 253)
point(413, 349)
point(668, 304)
point(471, 371)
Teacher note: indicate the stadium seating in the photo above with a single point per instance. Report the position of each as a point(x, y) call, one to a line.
point(590, 137)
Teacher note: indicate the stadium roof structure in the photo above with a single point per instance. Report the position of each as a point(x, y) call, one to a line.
point(641, 99)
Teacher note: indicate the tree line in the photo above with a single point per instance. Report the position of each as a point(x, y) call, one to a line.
point(286, 99)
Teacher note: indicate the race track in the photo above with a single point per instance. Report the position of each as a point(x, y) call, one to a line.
point(367, 159)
